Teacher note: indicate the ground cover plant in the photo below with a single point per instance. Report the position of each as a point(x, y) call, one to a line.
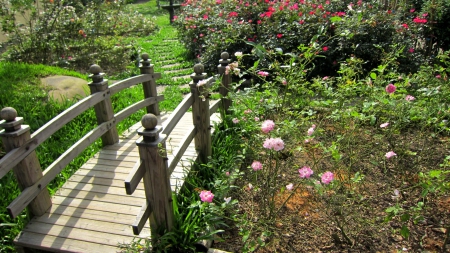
point(334, 165)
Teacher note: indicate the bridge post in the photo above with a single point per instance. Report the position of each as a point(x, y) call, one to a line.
point(153, 153)
point(103, 110)
point(150, 86)
point(226, 81)
point(200, 114)
point(28, 171)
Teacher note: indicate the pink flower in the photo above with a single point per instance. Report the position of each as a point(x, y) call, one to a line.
point(289, 187)
point(327, 177)
point(305, 172)
point(276, 144)
point(405, 26)
point(309, 140)
point(205, 17)
point(263, 73)
point(267, 126)
point(412, 10)
point(227, 174)
point(390, 154)
point(411, 50)
point(418, 20)
point(438, 76)
point(310, 131)
point(409, 98)
point(233, 14)
point(284, 82)
point(325, 49)
point(235, 121)
point(256, 118)
point(279, 35)
point(390, 88)
point(256, 165)
point(384, 125)
point(206, 196)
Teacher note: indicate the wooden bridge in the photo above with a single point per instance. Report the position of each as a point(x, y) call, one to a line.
point(124, 191)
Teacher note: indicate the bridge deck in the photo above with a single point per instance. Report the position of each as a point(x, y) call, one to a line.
point(91, 212)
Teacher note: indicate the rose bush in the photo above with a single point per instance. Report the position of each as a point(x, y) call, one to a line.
point(341, 29)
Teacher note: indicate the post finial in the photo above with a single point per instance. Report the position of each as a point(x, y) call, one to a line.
point(198, 68)
point(8, 114)
point(149, 121)
point(225, 56)
point(145, 56)
point(95, 69)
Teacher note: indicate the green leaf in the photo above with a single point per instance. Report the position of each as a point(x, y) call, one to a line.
point(435, 173)
point(373, 75)
point(335, 19)
point(405, 217)
point(404, 232)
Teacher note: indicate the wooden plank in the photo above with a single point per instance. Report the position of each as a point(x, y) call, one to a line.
point(42, 134)
point(114, 163)
point(132, 153)
point(177, 114)
point(102, 174)
point(136, 107)
point(57, 244)
point(142, 218)
point(106, 227)
point(117, 87)
point(79, 234)
point(180, 151)
point(104, 189)
point(28, 194)
point(87, 196)
point(95, 205)
point(135, 176)
point(106, 168)
point(128, 156)
point(125, 219)
point(99, 181)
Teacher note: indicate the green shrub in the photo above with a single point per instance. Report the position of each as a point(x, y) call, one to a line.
point(342, 29)
point(70, 34)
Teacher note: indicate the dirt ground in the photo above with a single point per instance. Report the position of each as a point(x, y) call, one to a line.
point(352, 218)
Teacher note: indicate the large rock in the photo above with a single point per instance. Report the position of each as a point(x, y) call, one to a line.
point(66, 87)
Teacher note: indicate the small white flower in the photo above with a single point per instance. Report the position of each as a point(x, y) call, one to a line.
point(238, 54)
point(201, 83)
point(290, 186)
point(227, 200)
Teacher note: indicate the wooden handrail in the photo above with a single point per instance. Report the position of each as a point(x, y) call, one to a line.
point(184, 144)
point(121, 85)
point(44, 132)
point(176, 115)
point(28, 194)
point(101, 93)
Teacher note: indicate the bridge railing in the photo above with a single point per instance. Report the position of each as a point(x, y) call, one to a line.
point(20, 145)
point(154, 168)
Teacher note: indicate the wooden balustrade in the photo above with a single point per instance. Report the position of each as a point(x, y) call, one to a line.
point(20, 145)
point(152, 167)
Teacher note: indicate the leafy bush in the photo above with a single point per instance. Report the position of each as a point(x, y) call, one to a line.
point(70, 34)
point(341, 28)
